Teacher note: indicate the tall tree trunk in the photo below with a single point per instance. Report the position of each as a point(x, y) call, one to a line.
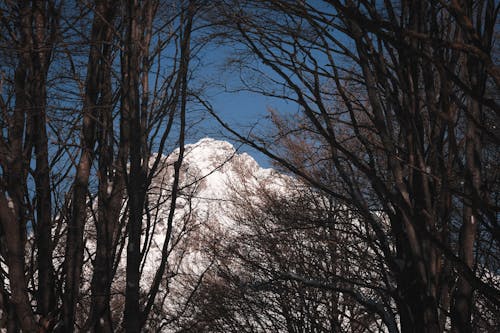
point(15, 261)
point(93, 89)
point(13, 208)
point(136, 180)
point(417, 305)
point(463, 296)
point(477, 29)
point(13, 220)
point(181, 94)
point(40, 61)
point(110, 193)
point(75, 243)
point(15, 164)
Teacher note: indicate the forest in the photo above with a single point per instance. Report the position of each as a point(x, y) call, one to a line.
point(381, 212)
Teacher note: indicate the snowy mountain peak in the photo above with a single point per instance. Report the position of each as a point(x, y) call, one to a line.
point(213, 144)
point(214, 181)
point(208, 154)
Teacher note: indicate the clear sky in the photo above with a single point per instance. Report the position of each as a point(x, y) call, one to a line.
point(242, 109)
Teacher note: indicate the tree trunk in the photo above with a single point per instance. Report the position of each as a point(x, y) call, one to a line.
point(43, 233)
point(463, 296)
point(417, 306)
point(15, 261)
point(13, 188)
point(136, 178)
point(110, 190)
point(181, 94)
point(75, 242)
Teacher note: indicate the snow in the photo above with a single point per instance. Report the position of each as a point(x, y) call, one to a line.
point(211, 174)
point(10, 203)
point(109, 188)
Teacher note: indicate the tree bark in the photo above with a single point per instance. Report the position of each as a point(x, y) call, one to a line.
point(15, 261)
point(110, 191)
point(40, 61)
point(79, 208)
point(181, 94)
point(136, 180)
point(463, 296)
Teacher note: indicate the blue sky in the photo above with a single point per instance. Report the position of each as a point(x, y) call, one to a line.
point(241, 110)
point(238, 107)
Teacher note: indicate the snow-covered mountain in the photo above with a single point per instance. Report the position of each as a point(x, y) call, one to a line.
point(230, 205)
point(213, 174)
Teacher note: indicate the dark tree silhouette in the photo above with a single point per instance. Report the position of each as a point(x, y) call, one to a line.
point(393, 101)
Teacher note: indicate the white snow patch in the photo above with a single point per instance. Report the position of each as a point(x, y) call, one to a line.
point(109, 188)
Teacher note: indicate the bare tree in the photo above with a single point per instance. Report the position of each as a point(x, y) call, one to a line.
point(136, 63)
point(395, 95)
point(97, 119)
point(32, 30)
point(297, 263)
point(95, 98)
